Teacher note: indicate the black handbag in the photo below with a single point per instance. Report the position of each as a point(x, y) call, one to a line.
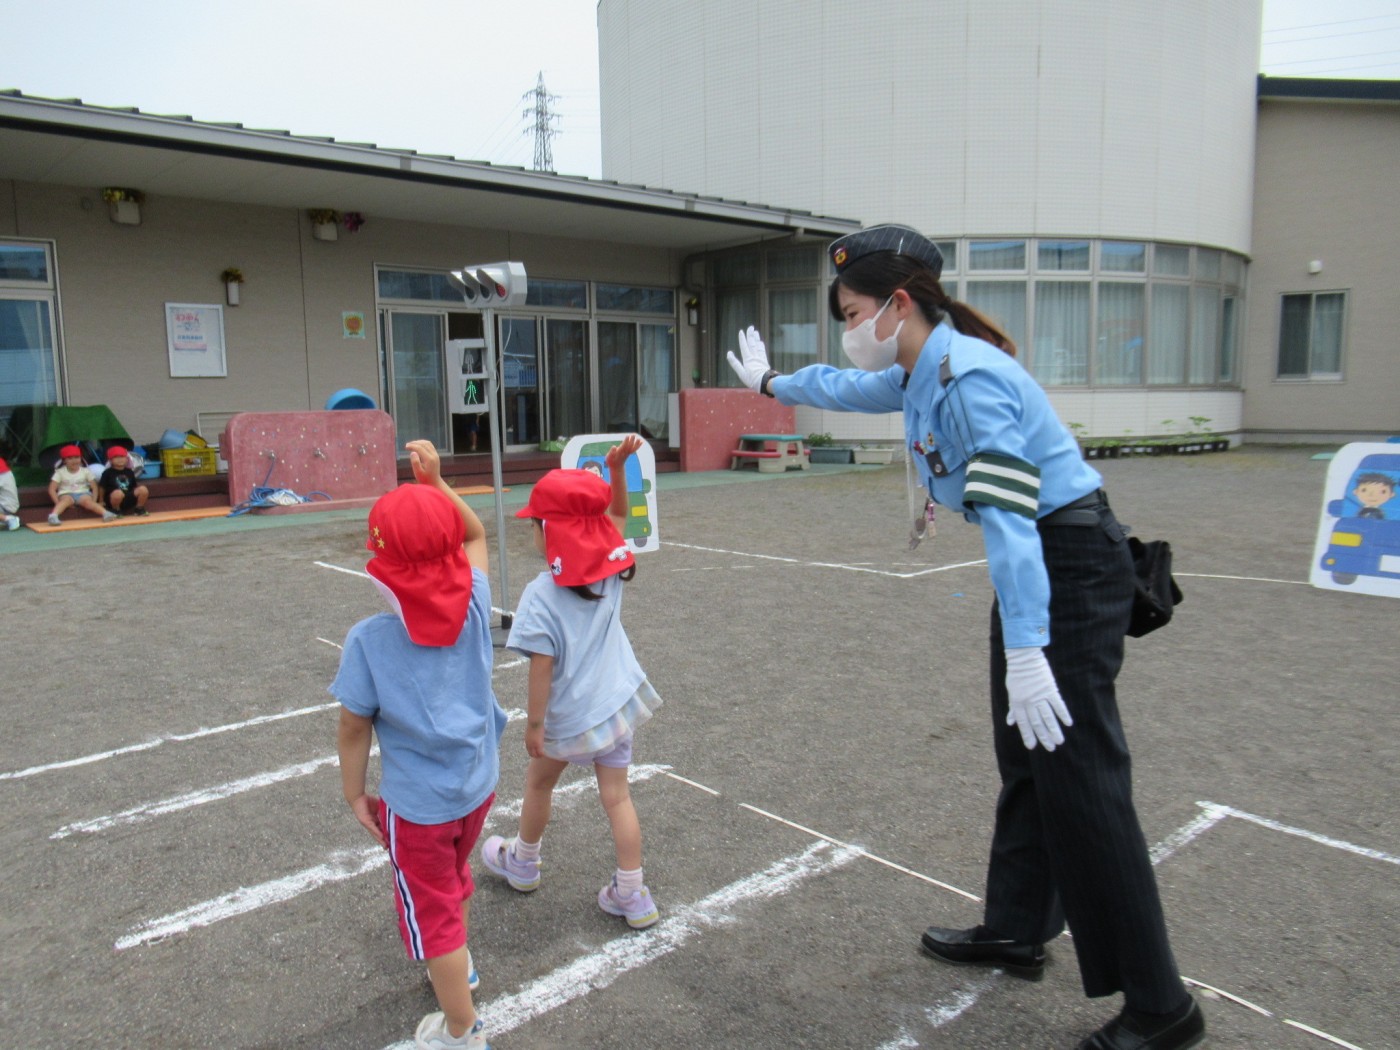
point(1157, 593)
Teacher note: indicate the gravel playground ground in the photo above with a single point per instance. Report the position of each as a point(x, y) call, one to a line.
point(180, 870)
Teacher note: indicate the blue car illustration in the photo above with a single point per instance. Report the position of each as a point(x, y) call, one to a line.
point(1365, 539)
point(593, 456)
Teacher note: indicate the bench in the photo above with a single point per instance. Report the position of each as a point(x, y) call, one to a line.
point(772, 453)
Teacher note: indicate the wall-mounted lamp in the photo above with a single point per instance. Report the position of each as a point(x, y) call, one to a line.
point(1315, 266)
point(232, 278)
point(324, 223)
point(692, 310)
point(124, 204)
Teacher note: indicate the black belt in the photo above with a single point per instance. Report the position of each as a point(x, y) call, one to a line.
point(1083, 511)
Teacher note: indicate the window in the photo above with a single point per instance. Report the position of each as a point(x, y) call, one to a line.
point(29, 351)
point(1122, 257)
point(1060, 355)
point(623, 297)
point(1171, 260)
point(1310, 336)
point(1062, 255)
point(996, 255)
point(418, 287)
point(949, 251)
point(565, 295)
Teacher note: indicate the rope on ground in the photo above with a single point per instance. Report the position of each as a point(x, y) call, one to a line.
point(263, 496)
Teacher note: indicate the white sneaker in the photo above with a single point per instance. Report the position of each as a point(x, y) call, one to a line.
point(107, 515)
point(432, 1034)
point(11, 522)
point(473, 978)
point(54, 519)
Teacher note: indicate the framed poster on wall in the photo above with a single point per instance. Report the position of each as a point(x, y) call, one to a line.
point(194, 333)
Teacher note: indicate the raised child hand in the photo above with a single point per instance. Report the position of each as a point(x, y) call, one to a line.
point(427, 466)
point(617, 455)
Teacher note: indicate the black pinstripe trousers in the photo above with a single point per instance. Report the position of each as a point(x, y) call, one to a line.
point(1067, 845)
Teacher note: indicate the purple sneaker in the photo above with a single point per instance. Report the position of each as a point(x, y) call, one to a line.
point(499, 856)
point(639, 909)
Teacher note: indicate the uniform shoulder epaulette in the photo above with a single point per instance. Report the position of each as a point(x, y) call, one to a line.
point(945, 371)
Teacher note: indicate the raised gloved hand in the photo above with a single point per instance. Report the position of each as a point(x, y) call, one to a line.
point(1036, 707)
point(752, 367)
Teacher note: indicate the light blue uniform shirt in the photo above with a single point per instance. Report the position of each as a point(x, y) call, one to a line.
point(991, 414)
point(435, 713)
point(595, 670)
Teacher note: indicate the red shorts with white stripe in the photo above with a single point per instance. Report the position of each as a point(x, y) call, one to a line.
point(432, 877)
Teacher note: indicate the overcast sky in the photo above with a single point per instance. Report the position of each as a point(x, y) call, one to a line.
point(447, 77)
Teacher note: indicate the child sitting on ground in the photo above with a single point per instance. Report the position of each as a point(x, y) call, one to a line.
point(73, 483)
point(587, 693)
point(121, 492)
point(9, 497)
point(419, 679)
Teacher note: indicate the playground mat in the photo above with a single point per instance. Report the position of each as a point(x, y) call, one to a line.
point(89, 521)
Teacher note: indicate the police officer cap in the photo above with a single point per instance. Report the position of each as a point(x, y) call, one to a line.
point(898, 239)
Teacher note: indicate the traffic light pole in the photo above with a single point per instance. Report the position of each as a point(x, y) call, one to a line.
point(493, 417)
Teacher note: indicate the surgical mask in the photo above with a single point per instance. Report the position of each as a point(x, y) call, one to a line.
point(867, 352)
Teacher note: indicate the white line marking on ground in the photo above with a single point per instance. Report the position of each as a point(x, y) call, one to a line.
point(150, 810)
point(173, 738)
point(702, 787)
point(861, 852)
point(337, 568)
point(943, 1013)
point(1227, 995)
point(1246, 579)
point(1303, 833)
point(633, 950)
point(832, 565)
point(331, 643)
point(1189, 831)
point(903, 1041)
point(1322, 1035)
point(342, 865)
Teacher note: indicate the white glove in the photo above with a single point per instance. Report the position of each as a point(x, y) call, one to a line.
point(1035, 699)
point(754, 365)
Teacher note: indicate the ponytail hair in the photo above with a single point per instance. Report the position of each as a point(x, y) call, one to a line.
point(588, 594)
point(881, 274)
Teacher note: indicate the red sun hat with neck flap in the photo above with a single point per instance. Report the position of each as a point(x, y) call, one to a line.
point(581, 543)
point(416, 535)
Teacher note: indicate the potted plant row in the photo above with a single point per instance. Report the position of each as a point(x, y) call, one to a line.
point(1194, 441)
point(822, 448)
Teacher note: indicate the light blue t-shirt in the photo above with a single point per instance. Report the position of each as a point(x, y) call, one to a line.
point(435, 714)
point(595, 670)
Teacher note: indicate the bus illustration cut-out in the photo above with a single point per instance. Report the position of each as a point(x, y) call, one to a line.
point(1358, 545)
point(589, 452)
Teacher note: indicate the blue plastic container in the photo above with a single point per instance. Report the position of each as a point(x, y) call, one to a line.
point(350, 398)
point(173, 439)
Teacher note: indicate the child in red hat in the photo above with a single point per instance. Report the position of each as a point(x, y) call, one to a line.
point(419, 679)
point(587, 692)
point(121, 491)
point(74, 483)
point(9, 497)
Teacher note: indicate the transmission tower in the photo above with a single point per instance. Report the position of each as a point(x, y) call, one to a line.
point(544, 127)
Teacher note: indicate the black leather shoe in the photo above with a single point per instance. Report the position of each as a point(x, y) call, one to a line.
point(969, 948)
point(1124, 1033)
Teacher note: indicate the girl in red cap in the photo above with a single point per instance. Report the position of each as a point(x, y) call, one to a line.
point(73, 483)
point(419, 679)
point(587, 692)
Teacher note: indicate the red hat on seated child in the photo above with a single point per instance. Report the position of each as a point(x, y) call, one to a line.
point(117, 452)
point(416, 535)
point(69, 451)
point(581, 542)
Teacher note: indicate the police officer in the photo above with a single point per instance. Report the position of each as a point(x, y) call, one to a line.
point(1066, 845)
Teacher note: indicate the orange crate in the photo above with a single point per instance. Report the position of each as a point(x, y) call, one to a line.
point(188, 462)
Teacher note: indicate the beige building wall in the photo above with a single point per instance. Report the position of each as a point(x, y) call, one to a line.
point(285, 345)
point(1326, 192)
point(965, 117)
